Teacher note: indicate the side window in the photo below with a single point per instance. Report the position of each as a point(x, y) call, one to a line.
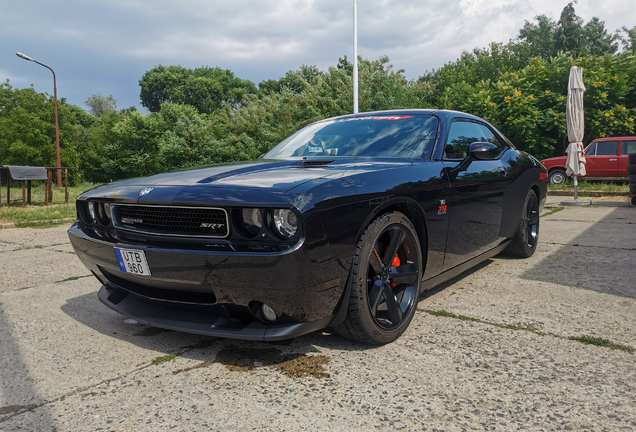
point(489, 136)
point(460, 136)
point(628, 147)
point(606, 148)
point(590, 150)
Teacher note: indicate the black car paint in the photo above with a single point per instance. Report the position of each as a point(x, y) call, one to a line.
point(306, 282)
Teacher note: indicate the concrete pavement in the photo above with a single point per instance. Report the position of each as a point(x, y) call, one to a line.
point(68, 363)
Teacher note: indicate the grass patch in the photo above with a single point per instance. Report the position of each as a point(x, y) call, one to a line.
point(164, 359)
point(72, 278)
point(591, 340)
point(446, 314)
point(584, 185)
point(37, 214)
point(443, 313)
point(553, 211)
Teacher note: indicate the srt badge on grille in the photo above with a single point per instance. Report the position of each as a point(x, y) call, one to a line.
point(145, 191)
point(128, 220)
point(211, 225)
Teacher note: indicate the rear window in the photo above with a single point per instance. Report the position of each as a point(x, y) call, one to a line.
point(628, 147)
point(398, 136)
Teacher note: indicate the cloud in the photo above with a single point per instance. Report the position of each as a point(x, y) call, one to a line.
point(105, 46)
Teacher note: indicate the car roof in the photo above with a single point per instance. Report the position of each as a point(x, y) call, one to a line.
point(615, 138)
point(440, 113)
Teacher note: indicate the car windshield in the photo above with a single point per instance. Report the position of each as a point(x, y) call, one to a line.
point(399, 136)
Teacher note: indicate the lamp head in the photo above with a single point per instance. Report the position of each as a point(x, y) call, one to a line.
point(24, 56)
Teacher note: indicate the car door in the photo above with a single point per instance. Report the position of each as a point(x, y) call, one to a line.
point(475, 204)
point(602, 159)
point(627, 147)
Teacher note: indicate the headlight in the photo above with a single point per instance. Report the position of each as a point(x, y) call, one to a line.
point(107, 211)
point(92, 211)
point(285, 223)
point(103, 213)
point(251, 221)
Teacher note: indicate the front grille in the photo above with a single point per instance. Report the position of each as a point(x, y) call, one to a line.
point(172, 221)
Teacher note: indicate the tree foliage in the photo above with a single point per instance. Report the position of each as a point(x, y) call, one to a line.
point(27, 125)
point(99, 105)
point(207, 115)
point(206, 89)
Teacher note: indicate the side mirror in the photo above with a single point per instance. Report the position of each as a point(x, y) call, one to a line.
point(483, 151)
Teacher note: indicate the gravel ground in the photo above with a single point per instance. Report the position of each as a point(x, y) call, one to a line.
point(489, 350)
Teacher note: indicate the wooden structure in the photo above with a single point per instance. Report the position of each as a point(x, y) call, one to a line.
point(26, 174)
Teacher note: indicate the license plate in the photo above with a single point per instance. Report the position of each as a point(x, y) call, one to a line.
point(132, 261)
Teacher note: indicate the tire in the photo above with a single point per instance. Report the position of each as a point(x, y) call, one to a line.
point(632, 188)
point(632, 200)
point(525, 241)
point(382, 303)
point(631, 169)
point(557, 176)
point(632, 179)
point(631, 158)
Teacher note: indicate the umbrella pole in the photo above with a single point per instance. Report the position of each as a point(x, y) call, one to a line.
point(576, 189)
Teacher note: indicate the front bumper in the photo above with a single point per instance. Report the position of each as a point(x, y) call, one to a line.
point(203, 323)
point(214, 293)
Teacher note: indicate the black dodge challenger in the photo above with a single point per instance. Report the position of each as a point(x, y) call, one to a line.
point(341, 225)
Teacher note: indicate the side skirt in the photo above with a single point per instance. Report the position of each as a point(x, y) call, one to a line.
point(456, 271)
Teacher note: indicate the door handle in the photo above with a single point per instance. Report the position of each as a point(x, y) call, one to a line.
point(613, 160)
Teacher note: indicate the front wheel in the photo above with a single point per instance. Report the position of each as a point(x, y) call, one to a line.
point(526, 238)
point(384, 281)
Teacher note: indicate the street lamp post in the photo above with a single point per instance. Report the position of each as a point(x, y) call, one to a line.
point(57, 126)
point(355, 57)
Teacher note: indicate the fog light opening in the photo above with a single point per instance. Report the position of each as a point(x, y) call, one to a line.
point(268, 313)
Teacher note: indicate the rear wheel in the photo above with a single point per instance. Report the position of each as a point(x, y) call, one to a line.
point(384, 281)
point(557, 176)
point(526, 239)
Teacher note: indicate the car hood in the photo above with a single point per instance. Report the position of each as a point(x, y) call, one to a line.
point(274, 175)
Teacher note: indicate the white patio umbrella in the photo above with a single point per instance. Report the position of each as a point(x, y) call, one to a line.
point(575, 165)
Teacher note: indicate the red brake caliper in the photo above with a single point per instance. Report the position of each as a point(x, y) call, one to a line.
point(395, 263)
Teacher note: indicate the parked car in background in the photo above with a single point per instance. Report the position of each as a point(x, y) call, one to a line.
point(341, 225)
point(606, 160)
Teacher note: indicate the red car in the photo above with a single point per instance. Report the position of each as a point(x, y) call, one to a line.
point(606, 160)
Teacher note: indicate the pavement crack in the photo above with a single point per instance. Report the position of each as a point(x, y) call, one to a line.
point(589, 340)
point(12, 412)
point(588, 246)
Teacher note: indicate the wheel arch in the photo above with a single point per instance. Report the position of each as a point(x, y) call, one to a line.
point(411, 209)
point(556, 167)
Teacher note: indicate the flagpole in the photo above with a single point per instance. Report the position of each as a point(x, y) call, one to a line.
point(355, 57)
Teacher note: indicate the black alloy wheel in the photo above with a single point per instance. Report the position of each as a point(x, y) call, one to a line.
point(385, 281)
point(526, 238)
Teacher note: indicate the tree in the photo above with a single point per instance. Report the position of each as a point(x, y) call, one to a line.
point(569, 32)
point(296, 81)
point(629, 40)
point(597, 41)
point(539, 37)
point(99, 105)
point(27, 125)
point(206, 89)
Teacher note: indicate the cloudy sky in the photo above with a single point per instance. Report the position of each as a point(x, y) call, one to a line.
point(105, 46)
